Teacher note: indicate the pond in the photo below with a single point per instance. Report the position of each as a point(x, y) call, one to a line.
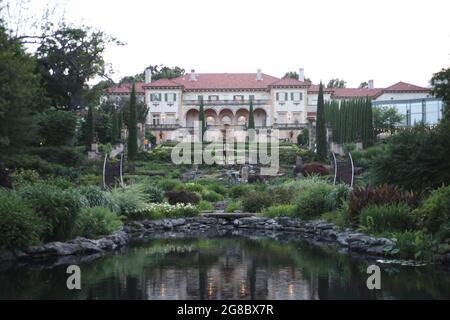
point(224, 268)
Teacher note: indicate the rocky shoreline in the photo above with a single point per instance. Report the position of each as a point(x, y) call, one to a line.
point(278, 228)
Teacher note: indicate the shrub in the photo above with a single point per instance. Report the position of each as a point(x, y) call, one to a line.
point(182, 196)
point(387, 218)
point(96, 197)
point(233, 206)
point(20, 227)
point(128, 200)
point(282, 195)
point(153, 193)
point(191, 187)
point(60, 182)
point(205, 206)
point(212, 196)
point(239, 190)
point(59, 208)
point(218, 188)
point(386, 194)
point(435, 211)
point(68, 156)
point(413, 245)
point(256, 201)
point(284, 210)
point(312, 201)
point(97, 221)
point(24, 176)
point(164, 210)
point(415, 159)
point(57, 127)
point(315, 168)
point(339, 195)
point(169, 184)
point(90, 179)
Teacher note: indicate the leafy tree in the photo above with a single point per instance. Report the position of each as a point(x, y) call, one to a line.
point(132, 126)
point(337, 83)
point(92, 95)
point(132, 79)
point(440, 83)
point(363, 85)
point(163, 72)
point(68, 58)
point(20, 94)
point(57, 127)
point(251, 117)
point(90, 128)
point(386, 119)
point(291, 74)
point(321, 131)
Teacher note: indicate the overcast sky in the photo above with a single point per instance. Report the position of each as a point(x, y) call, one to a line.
point(384, 40)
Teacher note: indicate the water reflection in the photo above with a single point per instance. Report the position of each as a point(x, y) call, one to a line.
point(225, 268)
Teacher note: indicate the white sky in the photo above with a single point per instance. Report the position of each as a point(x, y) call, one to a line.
point(384, 40)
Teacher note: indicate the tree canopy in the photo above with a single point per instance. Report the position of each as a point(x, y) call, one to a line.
point(440, 83)
point(337, 83)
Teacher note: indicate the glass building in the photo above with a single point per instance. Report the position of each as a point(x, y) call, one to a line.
point(415, 111)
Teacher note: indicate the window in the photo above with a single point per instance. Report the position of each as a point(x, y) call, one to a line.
point(251, 97)
point(170, 97)
point(296, 96)
point(156, 119)
point(213, 98)
point(238, 98)
point(282, 96)
point(200, 98)
point(155, 97)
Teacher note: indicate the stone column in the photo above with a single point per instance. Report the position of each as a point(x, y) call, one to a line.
point(312, 134)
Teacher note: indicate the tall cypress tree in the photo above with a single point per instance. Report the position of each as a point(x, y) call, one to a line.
point(119, 124)
point(132, 126)
point(201, 117)
point(115, 127)
point(321, 131)
point(90, 128)
point(251, 117)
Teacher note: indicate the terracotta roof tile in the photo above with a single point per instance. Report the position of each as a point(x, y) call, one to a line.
point(405, 87)
point(287, 81)
point(355, 92)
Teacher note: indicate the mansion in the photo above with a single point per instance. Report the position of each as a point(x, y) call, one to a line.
point(286, 104)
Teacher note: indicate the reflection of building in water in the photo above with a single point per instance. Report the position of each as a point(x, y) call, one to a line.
point(234, 275)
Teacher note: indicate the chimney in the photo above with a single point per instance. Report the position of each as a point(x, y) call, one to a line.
point(259, 75)
point(370, 84)
point(301, 75)
point(148, 75)
point(193, 76)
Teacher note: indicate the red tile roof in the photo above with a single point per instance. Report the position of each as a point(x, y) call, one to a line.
point(340, 93)
point(126, 88)
point(314, 88)
point(208, 81)
point(405, 87)
point(287, 81)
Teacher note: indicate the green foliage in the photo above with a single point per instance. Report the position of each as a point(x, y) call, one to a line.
point(68, 58)
point(68, 156)
point(414, 245)
point(20, 94)
point(24, 176)
point(20, 227)
point(128, 200)
point(233, 206)
point(281, 210)
point(211, 196)
point(386, 119)
point(435, 211)
point(239, 190)
point(321, 131)
point(415, 159)
point(387, 218)
point(201, 118)
point(282, 194)
point(169, 184)
point(115, 127)
point(96, 197)
point(311, 202)
point(205, 206)
point(339, 195)
point(58, 208)
point(90, 179)
point(183, 196)
point(441, 88)
point(159, 154)
point(132, 126)
point(256, 201)
point(90, 128)
point(251, 117)
point(303, 138)
point(152, 193)
point(386, 194)
point(97, 221)
point(57, 127)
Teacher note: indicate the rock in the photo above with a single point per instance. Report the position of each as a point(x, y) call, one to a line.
point(167, 224)
point(358, 246)
point(178, 222)
point(6, 255)
point(62, 249)
point(376, 250)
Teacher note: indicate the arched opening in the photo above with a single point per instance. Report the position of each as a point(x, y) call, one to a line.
point(226, 117)
point(260, 116)
point(210, 117)
point(242, 117)
point(191, 117)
